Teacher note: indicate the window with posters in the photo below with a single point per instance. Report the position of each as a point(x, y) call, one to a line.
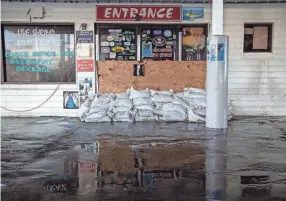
point(194, 43)
point(43, 53)
point(117, 44)
point(159, 43)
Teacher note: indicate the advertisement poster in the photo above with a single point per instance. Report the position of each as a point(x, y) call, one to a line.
point(144, 13)
point(162, 43)
point(84, 36)
point(70, 100)
point(85, 89)
point(217, 52)
point(146, 49)
point(117, 44)
point(194, 44)
point(85, 65)
point(192, 14)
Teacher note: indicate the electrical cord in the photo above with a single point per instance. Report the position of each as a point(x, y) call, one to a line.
point(56, 89)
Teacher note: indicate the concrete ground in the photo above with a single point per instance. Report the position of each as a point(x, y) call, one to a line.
point(65, 159)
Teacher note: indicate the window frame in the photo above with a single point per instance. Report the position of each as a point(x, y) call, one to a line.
point(206, 31)
point(269, 41)
point(3, 68)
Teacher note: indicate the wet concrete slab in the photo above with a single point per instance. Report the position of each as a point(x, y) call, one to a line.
point(64, 159)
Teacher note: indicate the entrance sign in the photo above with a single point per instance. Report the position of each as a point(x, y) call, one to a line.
point(140, 13)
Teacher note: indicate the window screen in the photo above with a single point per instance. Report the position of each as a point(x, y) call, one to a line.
point(39, 54)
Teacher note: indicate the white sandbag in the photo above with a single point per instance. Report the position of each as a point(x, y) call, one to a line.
point(192, 117)
point(144, 107)
point(96, 115)
point(180, 101)
point(179, 94)
point(172, 116)
point(143, 118)
point(158, 98)
point(195, 90)
point(97, 110)
point(201, 111)
point(121, 109)
point(197, 95)
point(124, 95)
point(139, 94)
point(142, 101)
point(123, 116)
point(174, 107)
point(83, 110)
point(122, 103)
point(144, 113)
point(198, 102)
point(168, 93)
point(174, 112)
point(102, 100)
point(102, 119)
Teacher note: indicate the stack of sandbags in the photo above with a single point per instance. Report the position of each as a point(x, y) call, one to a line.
point(161, 98)
point(142, 105)
point(122, 107)
point(100, 108)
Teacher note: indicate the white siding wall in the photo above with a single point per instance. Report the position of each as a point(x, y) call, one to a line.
point(256, 81)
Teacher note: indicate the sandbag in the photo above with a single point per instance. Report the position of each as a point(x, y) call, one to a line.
point(144, 113)
point(139, 94)
point(143, 118)
point(144, 107)
point(174, 112)
point(121, 109)
point(168, 93)
point(158, 98)
point(96, 115)
point(142, 101)
point(192, 117)
point(195, 90)
point(124, 95)
point(122, 103)
point(97, 110)
point(197, 95)
point(123, 116)
point(102, 119)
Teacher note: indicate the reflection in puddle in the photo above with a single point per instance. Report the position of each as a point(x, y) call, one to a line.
point(115, 169)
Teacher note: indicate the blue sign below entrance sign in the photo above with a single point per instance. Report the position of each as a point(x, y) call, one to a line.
point(84, 36)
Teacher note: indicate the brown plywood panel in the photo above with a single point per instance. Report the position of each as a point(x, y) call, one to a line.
point(117, 76)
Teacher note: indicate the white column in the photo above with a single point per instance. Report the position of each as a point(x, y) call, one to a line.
point(217, 71)
point(217, 17)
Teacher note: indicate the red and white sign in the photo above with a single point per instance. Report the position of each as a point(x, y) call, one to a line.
point(85, 65)
point(146, 13)
point(87, 167)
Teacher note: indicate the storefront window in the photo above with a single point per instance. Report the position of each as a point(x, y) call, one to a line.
point(159, 44)
point(39, 54)
point(194, 44)
point(117, 44)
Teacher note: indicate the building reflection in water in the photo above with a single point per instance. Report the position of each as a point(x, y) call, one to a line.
point(215, 164)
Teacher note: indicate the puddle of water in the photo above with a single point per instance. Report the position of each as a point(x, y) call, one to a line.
point(222, 166)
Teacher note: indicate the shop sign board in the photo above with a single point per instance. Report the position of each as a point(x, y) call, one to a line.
point(85, 65)
point(139, 13)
